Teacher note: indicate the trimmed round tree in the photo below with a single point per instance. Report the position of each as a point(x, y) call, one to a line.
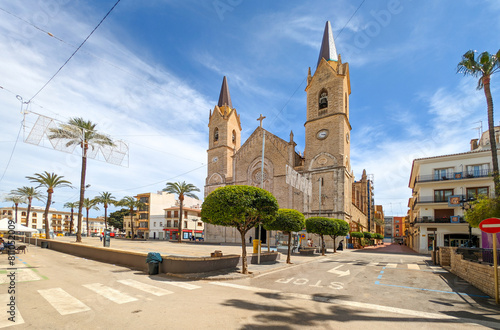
point(341, 229)
point(288, 221)
point(357, 234)
point(242, 207)
point(320, 226)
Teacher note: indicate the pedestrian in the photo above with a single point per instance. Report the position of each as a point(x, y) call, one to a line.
point(250, 240)
point(100, 237)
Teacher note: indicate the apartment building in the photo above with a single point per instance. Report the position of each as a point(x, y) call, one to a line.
point(442, 188)
point(59, 220)
point(150, 221)
point(191, 223)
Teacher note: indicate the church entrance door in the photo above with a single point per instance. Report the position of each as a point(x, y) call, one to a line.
point(263, 234)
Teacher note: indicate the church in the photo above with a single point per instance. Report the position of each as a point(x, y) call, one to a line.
point(319, 182)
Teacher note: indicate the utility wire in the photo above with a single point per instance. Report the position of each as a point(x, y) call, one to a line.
point(84, 41)
point(12, 152)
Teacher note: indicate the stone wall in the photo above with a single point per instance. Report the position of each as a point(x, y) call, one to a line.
point(445, 255)
point(479, 275)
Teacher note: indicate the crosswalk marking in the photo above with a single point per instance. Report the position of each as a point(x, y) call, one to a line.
point(4, 321)
point(182, 285)
point(242, 287)
point(413, 266)
point(391, 266)
point(63, 302)
point(145, 287)
point(110, 293)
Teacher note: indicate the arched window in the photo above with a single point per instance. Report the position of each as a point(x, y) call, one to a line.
point(234, 136)
point(23, 214)
point(216, 134)
point(323, 99)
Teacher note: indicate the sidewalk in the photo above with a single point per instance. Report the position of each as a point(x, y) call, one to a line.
point(195, 249)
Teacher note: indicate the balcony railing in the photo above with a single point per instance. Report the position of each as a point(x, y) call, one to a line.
point(455, 176)
point(456, 219)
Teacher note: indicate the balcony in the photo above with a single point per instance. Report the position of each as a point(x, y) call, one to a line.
point(430, 219)
point(432, 199)
point(454, 176)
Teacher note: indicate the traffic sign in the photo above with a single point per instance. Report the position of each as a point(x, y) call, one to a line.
point(491, 225)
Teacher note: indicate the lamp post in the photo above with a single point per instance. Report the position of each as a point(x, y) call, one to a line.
point(466, 205)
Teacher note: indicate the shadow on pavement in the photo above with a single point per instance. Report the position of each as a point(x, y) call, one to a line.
point(273, 315)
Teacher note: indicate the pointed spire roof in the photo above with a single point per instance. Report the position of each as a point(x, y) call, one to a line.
point(225, 97)
point(328, 50)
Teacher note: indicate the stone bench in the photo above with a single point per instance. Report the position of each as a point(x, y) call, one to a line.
point(309, 251)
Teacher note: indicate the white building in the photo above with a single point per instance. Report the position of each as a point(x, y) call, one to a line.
point(149, 221)
point(58, 220)
point(441, 188)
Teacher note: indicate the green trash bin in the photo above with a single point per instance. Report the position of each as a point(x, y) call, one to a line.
point(153, 268)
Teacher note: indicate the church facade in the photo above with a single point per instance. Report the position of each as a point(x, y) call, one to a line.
point(319, 182)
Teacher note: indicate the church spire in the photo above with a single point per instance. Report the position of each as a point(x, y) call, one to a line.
point(328, 50)
point(224, 97)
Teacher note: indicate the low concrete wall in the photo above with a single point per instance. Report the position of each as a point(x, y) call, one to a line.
point(264, 257)
point(179, 265)
point(137, 260)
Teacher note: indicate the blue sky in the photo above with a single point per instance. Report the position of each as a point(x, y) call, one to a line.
point(152, 71)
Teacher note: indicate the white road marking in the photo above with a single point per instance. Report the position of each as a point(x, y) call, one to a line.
point(7, 313)
point(372, 264)
point(243, 287)
point(110, 293)
point(63, 302)
point(391, 266)
point(182, 285)
point(413, 266)
point(339, 272)
point(145, 287)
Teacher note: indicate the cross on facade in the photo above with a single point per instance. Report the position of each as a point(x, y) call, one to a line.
point(261, 118)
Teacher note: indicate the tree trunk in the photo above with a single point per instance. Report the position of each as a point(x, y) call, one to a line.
point(289, 243)
point(181, 204)
point(71, 221)
point(46, 213)
point(244, 264)
point(132, 222)
point(15, 205)
point(322, 245)
point(28, 212)
point(82, 192)
point(88, 228)
point(491, 128)
point(334, 244)
point(105, 216)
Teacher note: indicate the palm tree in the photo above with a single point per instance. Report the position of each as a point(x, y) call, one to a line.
point(72, 206)
point(181, 189)
point(28, 193)
point(483, 67)
point(88, 204)
point(80, 132)
point(16, 200)
point(49, 181)
point(132, 203)
point(106, 199)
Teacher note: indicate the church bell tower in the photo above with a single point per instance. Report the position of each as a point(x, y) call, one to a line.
point(327, 128)
point(224, 140)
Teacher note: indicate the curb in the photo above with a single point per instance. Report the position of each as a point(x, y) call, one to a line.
point(236, 275)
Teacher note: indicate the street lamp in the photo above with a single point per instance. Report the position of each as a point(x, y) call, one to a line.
point(466, 204)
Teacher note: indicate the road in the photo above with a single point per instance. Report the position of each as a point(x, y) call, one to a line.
point(346, 290)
